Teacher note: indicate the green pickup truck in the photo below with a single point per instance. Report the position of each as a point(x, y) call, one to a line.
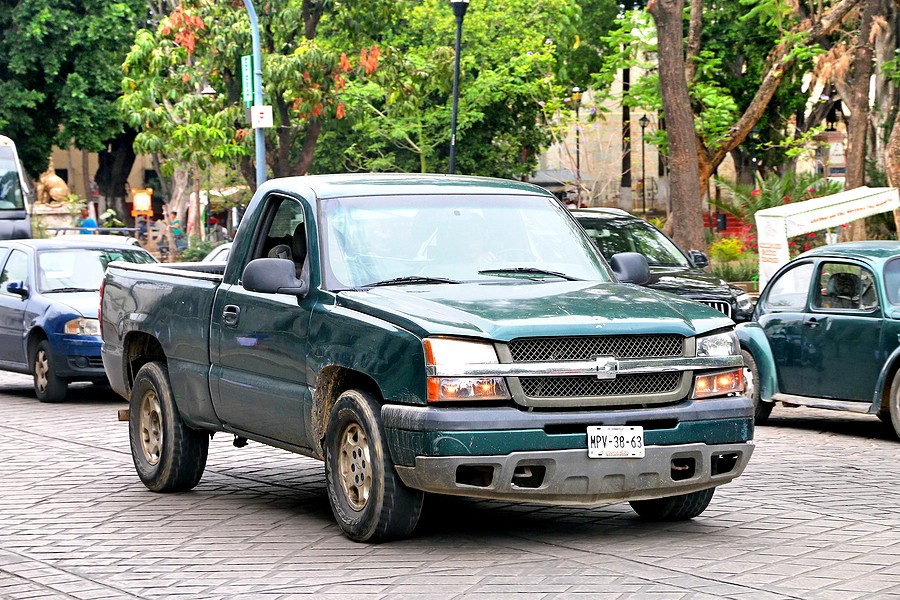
point(428, 334)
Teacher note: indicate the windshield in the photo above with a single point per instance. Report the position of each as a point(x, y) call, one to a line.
point(613, 235)
point(75, 269)
point(460, 238)
point(11, 197)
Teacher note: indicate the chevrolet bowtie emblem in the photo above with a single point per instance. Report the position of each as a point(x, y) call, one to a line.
point(606, 367)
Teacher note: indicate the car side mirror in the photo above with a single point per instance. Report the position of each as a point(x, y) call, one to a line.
point(273, 276)
point(698, 259)
point(630, 267)
point(18, 288)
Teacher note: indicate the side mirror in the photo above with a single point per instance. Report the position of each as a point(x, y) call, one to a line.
point(273, 276)
point(18, 288)
point(630, 267)
point(699, 259)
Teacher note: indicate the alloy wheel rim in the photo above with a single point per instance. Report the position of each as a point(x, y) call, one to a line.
point(151, 427)
point(355, 466)
point(749, 385)
point(42, 370)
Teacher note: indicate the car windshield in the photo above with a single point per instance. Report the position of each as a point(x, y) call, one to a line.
point(612, 235)
point(11, 197)
point(454, 238)
point(81, 269)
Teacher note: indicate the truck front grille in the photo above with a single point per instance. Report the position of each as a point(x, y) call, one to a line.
point(589, 347)
point(721, 306)
point(624, 385)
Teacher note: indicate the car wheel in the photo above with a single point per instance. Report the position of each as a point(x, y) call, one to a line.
point(368, 500)
point(761, 410)
point(47, 386)
point(894, 408)
point(168, 455)
point(673, 508)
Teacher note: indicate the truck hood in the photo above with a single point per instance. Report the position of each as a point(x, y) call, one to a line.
point(689, 282)
point(504, 311)
point(85, 303)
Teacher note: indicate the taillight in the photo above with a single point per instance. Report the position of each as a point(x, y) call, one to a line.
point(100, 308)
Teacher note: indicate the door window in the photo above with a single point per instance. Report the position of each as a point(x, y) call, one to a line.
point(16, 269)
point(843, 286)
point(285, 235)
point(789, 292)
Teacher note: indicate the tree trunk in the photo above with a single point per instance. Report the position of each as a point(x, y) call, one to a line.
point(115, 163)
point(858, 102)
point(695, 31)
point(686, 217)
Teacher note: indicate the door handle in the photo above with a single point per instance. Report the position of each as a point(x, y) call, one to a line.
point(812, 322)
point(231, 314)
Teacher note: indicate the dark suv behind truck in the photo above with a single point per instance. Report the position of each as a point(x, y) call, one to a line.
point(671, 269)
point(429, 333)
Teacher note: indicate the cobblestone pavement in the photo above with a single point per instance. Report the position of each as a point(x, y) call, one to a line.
point(816, 516)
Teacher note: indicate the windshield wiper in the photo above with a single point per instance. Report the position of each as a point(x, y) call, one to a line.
point(71, 289)
point(528, 271)
point(410, 279)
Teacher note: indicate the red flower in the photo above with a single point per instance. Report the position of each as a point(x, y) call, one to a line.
point(755, 192)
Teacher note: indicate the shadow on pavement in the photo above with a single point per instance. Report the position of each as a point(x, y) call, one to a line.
point(827, 421)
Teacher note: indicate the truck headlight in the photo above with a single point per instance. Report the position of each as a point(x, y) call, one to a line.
point(448, 353)
point(82, 326)
point(719, 344)
point(744, 301)
point(718, 384)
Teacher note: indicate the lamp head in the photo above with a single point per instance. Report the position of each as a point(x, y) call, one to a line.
point(644, 121)
point(208, 91)
point(459, 7)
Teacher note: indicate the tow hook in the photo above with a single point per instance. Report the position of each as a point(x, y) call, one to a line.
point(124, 414)
point(239, 442)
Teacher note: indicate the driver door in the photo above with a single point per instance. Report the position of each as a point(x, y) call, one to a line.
point(259, 341)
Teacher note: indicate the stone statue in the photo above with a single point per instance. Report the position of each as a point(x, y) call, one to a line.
point(51, 189)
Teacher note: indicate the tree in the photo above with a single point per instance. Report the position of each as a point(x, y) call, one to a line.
point(685, 222)
point(59, 79)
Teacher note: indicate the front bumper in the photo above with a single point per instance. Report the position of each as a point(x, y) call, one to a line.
point(570, 477)
point(507, 453)
point(77, 356)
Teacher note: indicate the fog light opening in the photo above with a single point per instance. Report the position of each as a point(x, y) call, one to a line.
point(683, 468)
point(529, 476)
point(723, 463)
point(475, 475)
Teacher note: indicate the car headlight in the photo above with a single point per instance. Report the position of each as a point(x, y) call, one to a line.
point(719, 344)
point(718, 384)
point(82, 326)
point(445, 355)
point(744, 301)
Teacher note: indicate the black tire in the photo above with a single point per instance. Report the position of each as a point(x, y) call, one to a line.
point(894, 403)
point(368, 500)
point(168, 455)
point(673, 508)
point(47, 386)
point(761, 410)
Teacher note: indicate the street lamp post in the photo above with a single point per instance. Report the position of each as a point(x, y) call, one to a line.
point(644, 121)
point(576, 100)
point(754, 140)
point(459, 11)
point(260, 139)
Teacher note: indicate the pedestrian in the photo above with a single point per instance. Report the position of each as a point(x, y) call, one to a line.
point(86, 222)
point(176, 224)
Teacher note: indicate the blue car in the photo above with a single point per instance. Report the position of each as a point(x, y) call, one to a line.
point(49, 297)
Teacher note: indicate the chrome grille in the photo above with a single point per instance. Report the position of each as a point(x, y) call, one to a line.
point(588, 347)
point(722, 307)
point(569, 387)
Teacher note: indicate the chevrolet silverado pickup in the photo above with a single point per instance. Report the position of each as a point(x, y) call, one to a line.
point(428, 334)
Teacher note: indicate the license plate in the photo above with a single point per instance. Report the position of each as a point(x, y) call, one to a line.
point(615, 442)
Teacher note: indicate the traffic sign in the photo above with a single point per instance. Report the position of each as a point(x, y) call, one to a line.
point(247, 80)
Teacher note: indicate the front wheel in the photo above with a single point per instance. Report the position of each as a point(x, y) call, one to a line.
point(673, 508)
point(368, 500)
point(761, 410)
point(168, 455)
point(894, 401)
point(47, 386)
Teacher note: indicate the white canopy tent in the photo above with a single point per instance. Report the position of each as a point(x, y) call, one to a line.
point(775, 225)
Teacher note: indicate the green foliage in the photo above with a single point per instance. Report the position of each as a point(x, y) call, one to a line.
point(110, 218)
point(737, 270)
point(744, 201)
point(196, 250)
point(726, 249)
point(59, 73)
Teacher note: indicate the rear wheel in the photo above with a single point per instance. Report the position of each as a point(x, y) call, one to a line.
point(368, 500)
point(168, 455)
point(761, 410)
point(673, 508)
point(47, 386)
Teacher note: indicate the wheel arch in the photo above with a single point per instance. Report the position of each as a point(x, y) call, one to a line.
point(753, 339)
point(138, 349)
point(883, 384)
point(331, 382)
point(35, 336)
